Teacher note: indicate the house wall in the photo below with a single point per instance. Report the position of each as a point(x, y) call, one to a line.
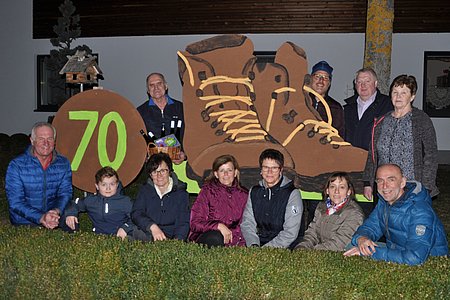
point(126, 61)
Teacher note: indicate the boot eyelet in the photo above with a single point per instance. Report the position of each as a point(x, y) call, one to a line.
point(323, 140)
point(311, 133)
point(253, 96)
point(205, 116)
point(335, 146)
point(219, 132)
point(214, 124)
point(199, 93)
point(202, 75)
point(293, 113)
point(251, 75)
point(288, 118)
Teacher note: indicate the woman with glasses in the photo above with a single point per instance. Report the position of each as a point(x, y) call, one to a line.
point(217, 212)
point(273, 214)
point(161, 209)
point(336, 218)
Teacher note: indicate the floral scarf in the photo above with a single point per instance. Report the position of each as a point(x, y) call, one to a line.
point(332, 208)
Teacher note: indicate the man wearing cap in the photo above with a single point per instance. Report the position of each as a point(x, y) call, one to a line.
point(321, 80)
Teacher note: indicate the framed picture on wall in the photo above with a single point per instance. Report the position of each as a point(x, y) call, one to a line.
point(436, 83)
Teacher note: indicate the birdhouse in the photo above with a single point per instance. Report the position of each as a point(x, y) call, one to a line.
point(81, 68)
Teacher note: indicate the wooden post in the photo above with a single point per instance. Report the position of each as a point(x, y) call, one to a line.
point(378, 47)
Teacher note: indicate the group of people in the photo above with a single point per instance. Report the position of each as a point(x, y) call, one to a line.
point(389, 127)
point(401, 166)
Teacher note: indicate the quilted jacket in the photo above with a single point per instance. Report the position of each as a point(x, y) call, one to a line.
point(32, 191)
point(411, 227)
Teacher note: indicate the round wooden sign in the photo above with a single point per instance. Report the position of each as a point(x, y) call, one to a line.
point(99, 128)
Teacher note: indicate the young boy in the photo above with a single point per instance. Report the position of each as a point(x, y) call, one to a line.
point(108, 210)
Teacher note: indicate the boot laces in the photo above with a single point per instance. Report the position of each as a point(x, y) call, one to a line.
point(240, 124)
point(321, 127)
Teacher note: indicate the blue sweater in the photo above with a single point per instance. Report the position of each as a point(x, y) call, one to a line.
point(411, 227)
point(32, 191)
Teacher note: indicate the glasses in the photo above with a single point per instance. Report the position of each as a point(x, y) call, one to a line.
point(160, 172)
point(319, 76)
point(266, 169)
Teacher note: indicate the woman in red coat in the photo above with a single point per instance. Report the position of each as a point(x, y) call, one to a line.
point(217, 212)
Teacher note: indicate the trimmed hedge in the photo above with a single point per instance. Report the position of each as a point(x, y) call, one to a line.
point(38, 263)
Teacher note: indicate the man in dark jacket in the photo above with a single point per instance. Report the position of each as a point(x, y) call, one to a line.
point(39, 182)
point(161, 113)
point(321, 75)
point(405, 217)
point(363, 108)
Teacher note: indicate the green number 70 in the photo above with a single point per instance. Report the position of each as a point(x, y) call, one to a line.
point(92, 117)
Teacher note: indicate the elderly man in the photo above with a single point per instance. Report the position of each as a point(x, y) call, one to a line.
point(405, 217)
point(362, 109)
point(161, 113)
point(39, 182)
point(321, 75)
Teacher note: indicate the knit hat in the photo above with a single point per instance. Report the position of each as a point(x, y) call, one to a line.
point(322, 66)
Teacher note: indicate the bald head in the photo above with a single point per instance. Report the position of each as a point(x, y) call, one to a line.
point(390, 182)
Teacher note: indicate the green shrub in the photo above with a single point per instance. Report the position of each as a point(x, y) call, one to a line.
point(38, 263)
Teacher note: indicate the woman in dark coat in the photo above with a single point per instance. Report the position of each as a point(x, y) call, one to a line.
point(217, 211)
point(161, 210)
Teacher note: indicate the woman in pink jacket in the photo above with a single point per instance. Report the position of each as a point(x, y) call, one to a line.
point(217, 212)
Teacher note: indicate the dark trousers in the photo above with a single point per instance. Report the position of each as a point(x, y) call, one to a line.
point(311, 206)
point(212, 238)
point(140, 235)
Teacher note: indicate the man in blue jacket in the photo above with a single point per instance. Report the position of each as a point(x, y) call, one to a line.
point(405, 217)
point(39, 182)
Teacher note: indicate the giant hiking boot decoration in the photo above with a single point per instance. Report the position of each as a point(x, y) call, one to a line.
point(288, 116)
point(235, 105)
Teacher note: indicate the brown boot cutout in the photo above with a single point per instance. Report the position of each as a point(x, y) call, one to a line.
point(287, 115)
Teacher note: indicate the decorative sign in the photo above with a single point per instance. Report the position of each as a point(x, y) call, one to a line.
point(99, 128)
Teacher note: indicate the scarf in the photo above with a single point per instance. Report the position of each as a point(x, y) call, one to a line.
point(332, 208)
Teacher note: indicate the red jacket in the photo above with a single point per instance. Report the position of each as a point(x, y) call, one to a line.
point(217, 203)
